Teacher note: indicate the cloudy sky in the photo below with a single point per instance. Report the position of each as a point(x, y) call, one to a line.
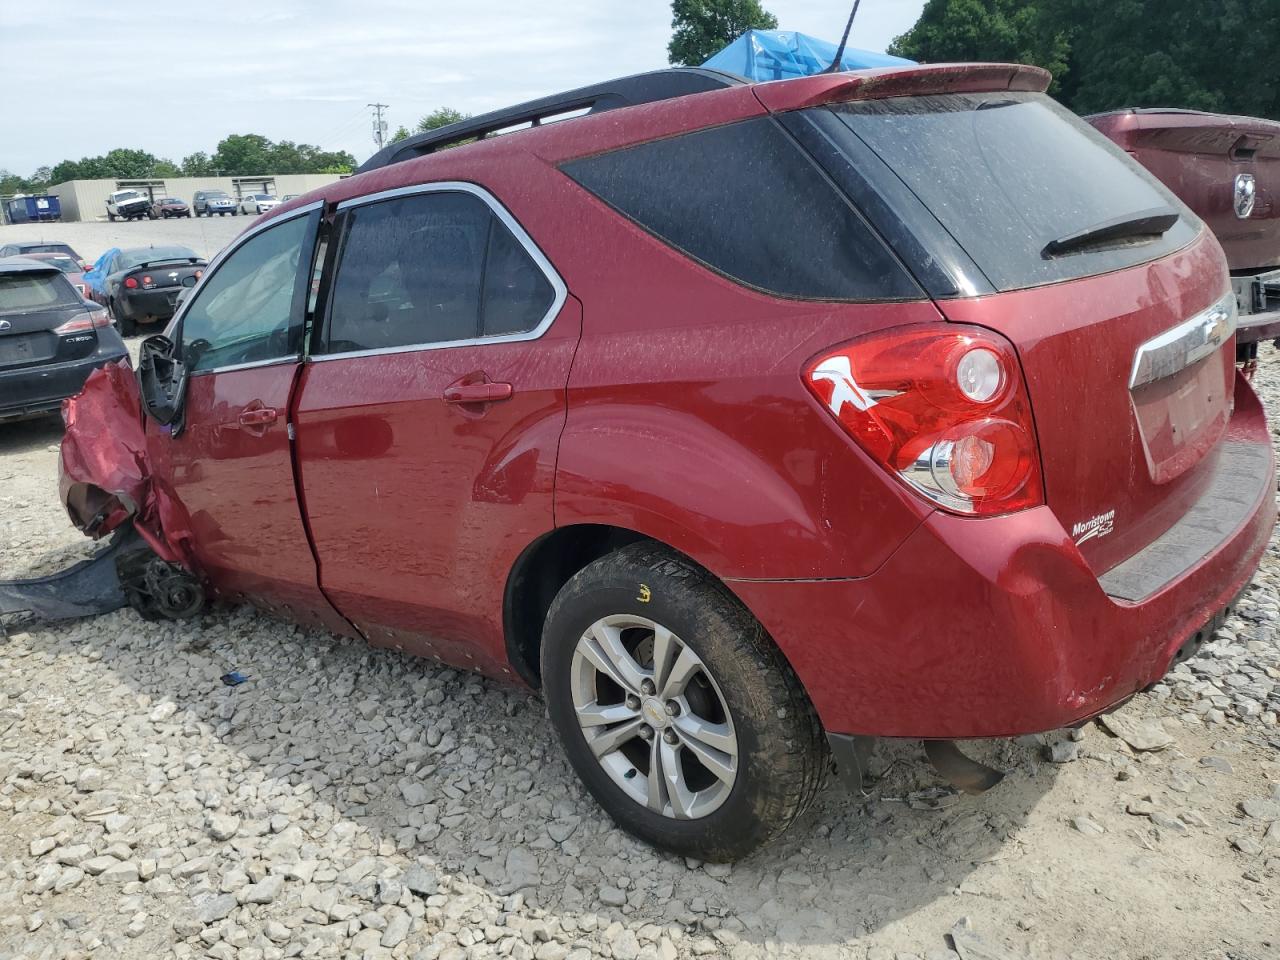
point(122, 74)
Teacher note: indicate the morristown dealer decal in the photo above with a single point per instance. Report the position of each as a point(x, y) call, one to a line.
point(1098, 526)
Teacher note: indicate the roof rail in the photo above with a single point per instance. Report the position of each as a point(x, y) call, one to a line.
point(623, 92)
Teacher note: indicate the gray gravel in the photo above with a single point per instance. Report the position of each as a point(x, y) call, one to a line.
point(351, 802)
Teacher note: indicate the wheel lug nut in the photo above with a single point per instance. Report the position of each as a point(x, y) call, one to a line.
point(673, 709)
point(669, 736)
point(646, 732)
point(647, 687)
point(633, 702)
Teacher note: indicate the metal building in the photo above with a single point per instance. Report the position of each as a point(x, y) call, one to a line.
point(87, 199)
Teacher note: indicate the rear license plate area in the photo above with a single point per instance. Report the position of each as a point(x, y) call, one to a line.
point(16, 350)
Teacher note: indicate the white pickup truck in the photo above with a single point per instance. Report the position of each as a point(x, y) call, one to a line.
point(129, 205)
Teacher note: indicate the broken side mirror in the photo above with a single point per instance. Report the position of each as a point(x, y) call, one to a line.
point(162, 379)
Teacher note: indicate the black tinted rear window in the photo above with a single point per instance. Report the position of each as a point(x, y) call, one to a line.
point(47, 248)
point(34, 291)
point(1006, 174)
point(746, 201)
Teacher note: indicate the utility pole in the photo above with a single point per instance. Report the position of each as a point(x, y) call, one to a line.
point(379, 125)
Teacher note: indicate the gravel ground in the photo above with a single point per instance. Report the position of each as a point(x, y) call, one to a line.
point(351, 802)
point(205, 235)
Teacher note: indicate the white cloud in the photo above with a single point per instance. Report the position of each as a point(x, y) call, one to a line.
point(174, 79)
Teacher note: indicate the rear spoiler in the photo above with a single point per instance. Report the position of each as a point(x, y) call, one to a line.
point(189, 261)
point(797, 94)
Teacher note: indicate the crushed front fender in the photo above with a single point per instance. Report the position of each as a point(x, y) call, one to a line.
point(106, 477)
point(103, 473)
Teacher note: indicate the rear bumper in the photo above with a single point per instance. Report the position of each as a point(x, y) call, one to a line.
point(1258, 297)
point(998, 627)
point(147, 305)
point(36, 390)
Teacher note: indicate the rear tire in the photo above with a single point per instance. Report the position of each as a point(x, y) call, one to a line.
point(126, 324)
point(726, 696)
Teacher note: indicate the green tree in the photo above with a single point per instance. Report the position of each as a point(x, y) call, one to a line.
point(700, 28)
point(1106, 54)
point(243, 155)
point(128, 164)
point(1173, 53)
point(440, 118)
point(197, 164)
point(331, 161)
point(166, 168)
point(402, 133)
point(1002, 31)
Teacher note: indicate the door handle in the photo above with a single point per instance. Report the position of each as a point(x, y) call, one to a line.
point(477, 392)
point(258, 416)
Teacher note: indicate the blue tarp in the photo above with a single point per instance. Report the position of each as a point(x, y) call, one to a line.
point(780, 54)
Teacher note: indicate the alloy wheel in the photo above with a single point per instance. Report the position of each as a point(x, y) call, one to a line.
point(654, 717)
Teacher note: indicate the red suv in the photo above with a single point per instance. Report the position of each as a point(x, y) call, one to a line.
point(745, 420)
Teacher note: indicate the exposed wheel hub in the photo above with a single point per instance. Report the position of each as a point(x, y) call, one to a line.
point(654, 713)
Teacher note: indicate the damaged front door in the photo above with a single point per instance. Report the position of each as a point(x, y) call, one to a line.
point(227, 459)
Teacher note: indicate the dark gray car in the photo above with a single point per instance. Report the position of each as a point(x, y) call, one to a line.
point(50, 338)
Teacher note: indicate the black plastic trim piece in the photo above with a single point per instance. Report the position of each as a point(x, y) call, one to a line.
point(936, 260)
point(622, 92)
point(1239, 481)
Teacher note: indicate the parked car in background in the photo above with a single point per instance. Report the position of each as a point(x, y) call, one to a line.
point(289, 196)
point(22, 247)
point(50, 338)
point(745, 432)
point(206, 203)
point(256, 203)
point(167, 207)
point(1227, 169)
point(140, 285)
point(70, 267)
point(129, 205)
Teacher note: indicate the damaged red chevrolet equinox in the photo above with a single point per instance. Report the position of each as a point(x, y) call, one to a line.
point(748, 422)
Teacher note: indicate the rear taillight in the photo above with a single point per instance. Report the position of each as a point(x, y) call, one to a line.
point(131, 282)
point(942, 407)
point(87, 321)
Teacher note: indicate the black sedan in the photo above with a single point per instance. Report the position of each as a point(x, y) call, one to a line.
point(140, 285)
point(50, 338)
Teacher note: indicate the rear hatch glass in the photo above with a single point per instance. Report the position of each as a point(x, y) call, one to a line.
point(1009, 175)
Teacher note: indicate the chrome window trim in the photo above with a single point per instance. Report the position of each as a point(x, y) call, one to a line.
point(1189, 342)
point(559, 290)
point(292, 358)
point(212, 267)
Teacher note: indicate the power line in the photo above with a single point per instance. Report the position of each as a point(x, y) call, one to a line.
point(379, 125)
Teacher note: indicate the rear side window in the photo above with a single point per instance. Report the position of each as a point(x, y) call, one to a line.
point(1007, 174)
point(34, 291)
point(430, 268)
point(745, 201)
